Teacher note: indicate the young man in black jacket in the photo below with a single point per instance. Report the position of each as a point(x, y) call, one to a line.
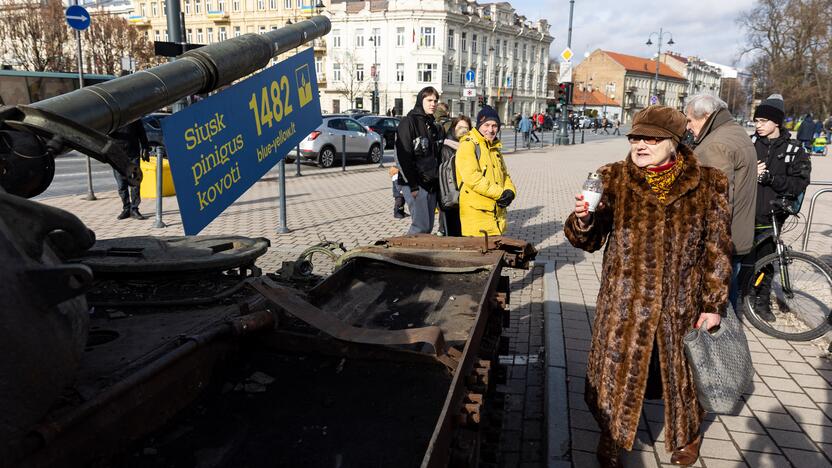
point(783, 169)
point(417, 154)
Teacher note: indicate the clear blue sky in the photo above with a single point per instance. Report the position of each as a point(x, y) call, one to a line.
point(705, 28)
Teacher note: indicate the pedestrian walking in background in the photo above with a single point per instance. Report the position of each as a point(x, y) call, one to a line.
point(720, 142)
point(525, 127)
point(604, 124)
point(533, 133)
point(449, 223)
point(665, 221)
point(133, 141)
point(417, 155)
point(617, 130)
point(398, 196)
point(487, 189)
point(806, 131)
point(783, 170)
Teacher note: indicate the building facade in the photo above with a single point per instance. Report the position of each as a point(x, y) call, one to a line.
point(209, 21)
point(702, 77)
point(402, 46)
point(629, 80)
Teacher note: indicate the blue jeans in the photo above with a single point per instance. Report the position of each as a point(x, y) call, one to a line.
point(734, 288)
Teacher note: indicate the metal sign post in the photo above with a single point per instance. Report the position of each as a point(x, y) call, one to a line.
point(283, 229)
point(160, 152)
point(78, 18)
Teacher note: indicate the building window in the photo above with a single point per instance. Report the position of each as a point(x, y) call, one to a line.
point(474, 43)
point(359, 103)
point(221, 5)
point(399, 72)
point(273, 4)
point(376, 38)
point(505, 48)
point(524, 52)
point(516, 44)
point(450, 77)
point(157, 35)
point(223, 35)
point(208, 5)
point(287, 4)
point(199, 37)
point(262, 30)
point(210, 32)
point(426, 72)
point(197, 7)
point(319, 66)
point(359, 72)
point(336, 71)
point(484, 46)
point(496, 81)
point(143, 9)
point(154, 9)
point(450, 39)
point(188, 36)
point(261, 5)
point(336, 39)
point(299, 3)
point(236, 31)
point(359, 37)
point(399, 37)
point(236, 5)
point(428, 36)
point(187, 7)
point(464, 41)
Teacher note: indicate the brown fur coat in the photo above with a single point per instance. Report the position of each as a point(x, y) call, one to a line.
point(664, 264)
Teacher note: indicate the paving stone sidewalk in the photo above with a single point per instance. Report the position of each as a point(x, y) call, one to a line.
point(785, 419)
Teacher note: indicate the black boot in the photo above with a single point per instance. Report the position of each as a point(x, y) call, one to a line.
point(125, 213)
point(134, 213)
point(762, 301)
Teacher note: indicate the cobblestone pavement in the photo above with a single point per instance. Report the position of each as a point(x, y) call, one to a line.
point(785, 419)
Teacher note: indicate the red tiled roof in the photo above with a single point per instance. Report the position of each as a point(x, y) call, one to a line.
point(595, 98)
point(643, 65)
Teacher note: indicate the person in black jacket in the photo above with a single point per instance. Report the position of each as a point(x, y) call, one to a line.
point(417, 154)
point(133, 140)
point(806, 132)
point(449, 223)
point(783, 170)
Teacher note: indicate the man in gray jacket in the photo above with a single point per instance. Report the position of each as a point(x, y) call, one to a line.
point(722, 143)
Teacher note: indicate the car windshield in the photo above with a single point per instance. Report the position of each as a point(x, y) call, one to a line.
point(368, 120)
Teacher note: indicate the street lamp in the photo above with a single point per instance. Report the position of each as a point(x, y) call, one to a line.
point(655, 87)
point(374, 71)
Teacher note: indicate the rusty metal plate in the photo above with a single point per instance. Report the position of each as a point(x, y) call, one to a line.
point(148, 254)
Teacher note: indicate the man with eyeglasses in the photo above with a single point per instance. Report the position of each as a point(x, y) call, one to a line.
point(720, 142)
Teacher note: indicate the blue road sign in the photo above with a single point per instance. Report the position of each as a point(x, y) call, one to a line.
point(77, 17)
point(470, 75)
point(654, 100)
point(222, 145)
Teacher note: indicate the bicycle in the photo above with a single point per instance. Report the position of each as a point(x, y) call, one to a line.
point(801, 287)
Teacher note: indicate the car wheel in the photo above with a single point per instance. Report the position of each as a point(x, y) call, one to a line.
point(326, 158)
point(375, 154)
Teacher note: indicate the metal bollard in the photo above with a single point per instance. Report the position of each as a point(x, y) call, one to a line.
point(90, 194)
point(515, 138)
point(160, 152)
point(383, 144)
point(573, 134)
point(283, 228)
point(297, 162)
point(582, 135)
point(343, 153)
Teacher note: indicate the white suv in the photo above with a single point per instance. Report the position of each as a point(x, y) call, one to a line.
point(326, 143)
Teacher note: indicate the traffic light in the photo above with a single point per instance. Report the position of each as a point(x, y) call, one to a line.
point(563, 94)
point(480, 101)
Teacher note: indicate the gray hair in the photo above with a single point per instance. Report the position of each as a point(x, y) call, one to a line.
point(703, 105)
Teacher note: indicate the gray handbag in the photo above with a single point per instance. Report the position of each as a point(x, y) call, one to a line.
point(720, 362)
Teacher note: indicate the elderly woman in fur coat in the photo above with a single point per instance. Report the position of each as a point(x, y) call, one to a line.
point(664, 222)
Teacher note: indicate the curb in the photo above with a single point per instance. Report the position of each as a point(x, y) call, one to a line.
point(556, 409)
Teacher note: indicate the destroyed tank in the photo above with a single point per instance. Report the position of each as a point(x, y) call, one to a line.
point(109, 342)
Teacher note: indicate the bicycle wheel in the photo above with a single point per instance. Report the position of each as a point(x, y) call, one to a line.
point(800, 296)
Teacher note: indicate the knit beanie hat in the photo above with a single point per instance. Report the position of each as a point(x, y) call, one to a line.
point(772, 109)
point(487, 113)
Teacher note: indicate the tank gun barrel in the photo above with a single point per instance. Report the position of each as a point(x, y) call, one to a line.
point(110, 105)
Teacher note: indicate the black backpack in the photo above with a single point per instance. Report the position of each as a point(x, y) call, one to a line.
point(448, 185)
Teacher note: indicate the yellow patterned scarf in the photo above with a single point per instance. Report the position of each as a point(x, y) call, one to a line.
point(661, 179)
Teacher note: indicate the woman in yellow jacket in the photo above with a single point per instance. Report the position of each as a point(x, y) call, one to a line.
point(486, 190)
